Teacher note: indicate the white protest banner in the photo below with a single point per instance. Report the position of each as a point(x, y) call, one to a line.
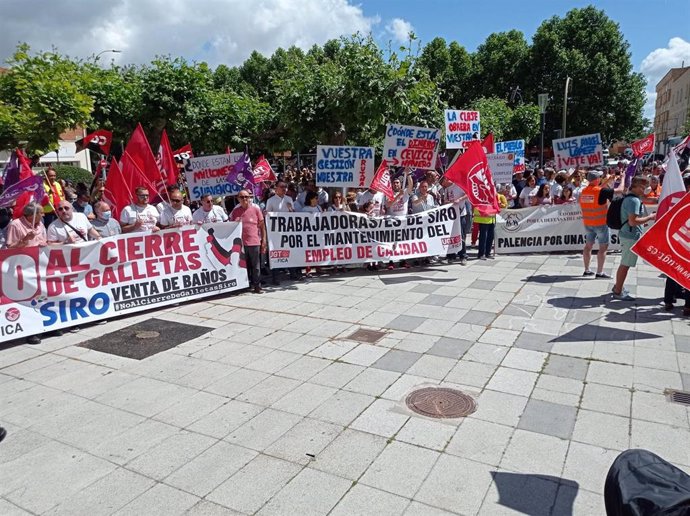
point(338, 238)
point(501, 166)
point(517, 147)
point(409, 146)
point(461, 128)
point(208, 175)
point(344, 166)
point(543, 229)
point(578, 151)
point(48, 288)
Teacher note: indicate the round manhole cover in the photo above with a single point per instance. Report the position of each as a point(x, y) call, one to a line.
point(147, 334)
point(440, 402)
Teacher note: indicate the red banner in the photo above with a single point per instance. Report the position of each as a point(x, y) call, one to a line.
point(471, 173)
point(488, 144)
point(382, 181)
point(666, 245)
point(643, 146)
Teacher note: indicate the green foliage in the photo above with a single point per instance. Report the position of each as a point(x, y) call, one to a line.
point(41, 96)
point(607, 96)
point(74, 174)
point(342, 92)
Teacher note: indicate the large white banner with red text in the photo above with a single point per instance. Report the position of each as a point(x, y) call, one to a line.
point(338, 238)
point(48, 288)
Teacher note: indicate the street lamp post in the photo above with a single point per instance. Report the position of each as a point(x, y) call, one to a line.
point(114, 51)
point(543, 101)
point(565, 104)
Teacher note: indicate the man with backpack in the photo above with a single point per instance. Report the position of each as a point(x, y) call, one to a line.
point(633, 217)
point(594, 200)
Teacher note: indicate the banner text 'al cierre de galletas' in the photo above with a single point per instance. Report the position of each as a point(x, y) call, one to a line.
point(49, 288)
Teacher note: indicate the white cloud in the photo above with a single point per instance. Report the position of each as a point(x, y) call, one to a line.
point(215, 31)
point(658, 63)
point(399, 29)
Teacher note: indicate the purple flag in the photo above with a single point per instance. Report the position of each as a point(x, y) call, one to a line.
point(630, 172)
point(30, 184)
point(241, 173)
point(10, 175)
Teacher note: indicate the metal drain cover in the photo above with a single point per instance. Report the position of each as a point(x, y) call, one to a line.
point(147, 335)
point(369, 336)
point(675, 396)
point(440, 402)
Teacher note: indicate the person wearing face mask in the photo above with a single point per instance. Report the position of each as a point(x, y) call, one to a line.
point(104, 223)
point(81, 205)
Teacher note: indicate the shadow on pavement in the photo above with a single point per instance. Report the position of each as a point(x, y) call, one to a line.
point(535, 494)
point(602, 333)
point(546, 278)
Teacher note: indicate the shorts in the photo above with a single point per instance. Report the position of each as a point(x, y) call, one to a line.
point(628, 258)
point(599, 233)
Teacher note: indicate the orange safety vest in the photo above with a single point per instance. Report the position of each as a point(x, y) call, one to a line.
point(593, 213)
point(652, 198)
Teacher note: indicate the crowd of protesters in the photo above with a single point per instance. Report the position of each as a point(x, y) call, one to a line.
point(72, 213)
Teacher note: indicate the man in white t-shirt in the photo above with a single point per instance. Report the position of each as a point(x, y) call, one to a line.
point(70, 227)
point(175, 214)
point(423, 201)
point(209, 212)
point(377, 200)
point(281, 203)
point(139, 216)
point(453, 194)
point(398, 206)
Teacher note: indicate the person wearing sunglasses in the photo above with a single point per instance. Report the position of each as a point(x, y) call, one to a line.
point(139, 216)
point(209, 212)
point(175, 214)
point(253, 236)
point(70, 227)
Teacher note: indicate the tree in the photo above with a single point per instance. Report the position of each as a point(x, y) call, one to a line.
point(450, 68)
point(41, 96)
point(500, 62)
point(607, 96)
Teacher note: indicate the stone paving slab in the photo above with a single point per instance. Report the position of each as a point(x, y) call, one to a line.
point(274, 409)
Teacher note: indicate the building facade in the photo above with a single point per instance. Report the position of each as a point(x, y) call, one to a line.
point(672, 106)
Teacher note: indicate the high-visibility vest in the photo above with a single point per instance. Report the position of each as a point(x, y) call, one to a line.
point(652, 198)
point(593, 213)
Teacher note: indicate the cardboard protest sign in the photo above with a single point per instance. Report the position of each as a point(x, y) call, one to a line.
point(59, 287)
point(409, 146)
point(501, 166)
point(344, 166)
point(337, 238)
point(208, 175)
point(461, 128)
point(666, 245)
point(578, 151)
point(517, 148)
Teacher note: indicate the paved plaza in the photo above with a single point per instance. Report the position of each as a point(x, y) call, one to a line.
point(276, 411)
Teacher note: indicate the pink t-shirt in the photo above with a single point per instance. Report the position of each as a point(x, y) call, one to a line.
point(19, 228)
point(251, 218)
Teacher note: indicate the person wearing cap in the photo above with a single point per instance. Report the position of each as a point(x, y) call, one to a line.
point(594, 200)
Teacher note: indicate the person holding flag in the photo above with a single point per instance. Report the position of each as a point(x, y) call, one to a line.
point(54, 194)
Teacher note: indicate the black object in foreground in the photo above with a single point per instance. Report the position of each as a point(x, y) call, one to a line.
point(640, 483)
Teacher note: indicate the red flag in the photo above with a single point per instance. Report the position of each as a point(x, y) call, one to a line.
point(97, 141)
point(488, 144)
point(643, 146)
point(140, 151)
point(471, 173)
point(183, 153)
point(166, 161)
point(672, 188)
point(118, 193)
point(134, 176)
point(228, 150)
point(382, 181)
point(263, 171)
point(666, 245)
point(25, 171)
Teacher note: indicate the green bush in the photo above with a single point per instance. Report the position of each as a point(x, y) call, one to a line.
point(74, 174)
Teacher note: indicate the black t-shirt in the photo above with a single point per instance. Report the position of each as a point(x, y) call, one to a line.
point(605, 194)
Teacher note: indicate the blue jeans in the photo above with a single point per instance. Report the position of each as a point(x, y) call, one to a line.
point(486, 239)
